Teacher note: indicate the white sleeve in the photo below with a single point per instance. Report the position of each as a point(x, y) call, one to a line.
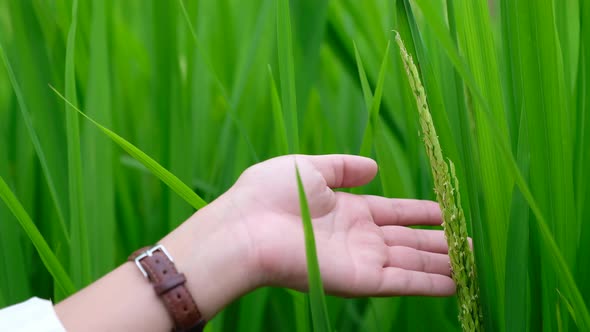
point(34, 314)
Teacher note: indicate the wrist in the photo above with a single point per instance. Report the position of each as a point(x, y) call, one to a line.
point(213, 256)
point(215, 259)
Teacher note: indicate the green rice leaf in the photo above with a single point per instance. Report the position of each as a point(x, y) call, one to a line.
point(36, 144)
point(13, 245)
point(568, 305)
point(80, 253)
point(438, 28)
point(396, 180)
point(287, 73)
point(565, 275)
point(475, 41)
point(583, 154)
point(252, 307)
point(540, 89)
point(160, 172)
point(319, 311)
point(49, 259)
point(551, 249)
point(518, 262)
point(199, 48)
point(277, 113)
point(368, 136)
point(233, 100)
point(367, 93)
point(97, 150)
point(245, 67)
point(395, 175)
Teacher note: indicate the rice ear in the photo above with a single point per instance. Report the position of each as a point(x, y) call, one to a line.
point(446, 187)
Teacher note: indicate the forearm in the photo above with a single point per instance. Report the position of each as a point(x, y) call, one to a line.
point(121, 300)
point(204, 248)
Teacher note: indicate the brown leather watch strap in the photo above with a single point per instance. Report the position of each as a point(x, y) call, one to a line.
point(157, 265)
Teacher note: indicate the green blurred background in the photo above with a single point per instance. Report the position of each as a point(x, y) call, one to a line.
point(506, 81)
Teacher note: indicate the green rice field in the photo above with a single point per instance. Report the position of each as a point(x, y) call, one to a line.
point(204, 89)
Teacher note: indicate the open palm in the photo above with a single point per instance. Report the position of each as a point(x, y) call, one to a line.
point(364, 247)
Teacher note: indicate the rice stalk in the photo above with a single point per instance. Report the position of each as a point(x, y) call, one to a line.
point(446, 187)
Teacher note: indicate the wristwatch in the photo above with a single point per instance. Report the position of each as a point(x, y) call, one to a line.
point(156, 264)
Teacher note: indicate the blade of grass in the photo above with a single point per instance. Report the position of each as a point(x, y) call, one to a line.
point(319, 311)
point(583, 152)
point(34, 64)
point(367, 93)
point(54, 267)
point(80, 252)
point(380, 314)
point(245, 66)
point(395, 175)
point(156, 169)
point(539, 78)
point(287, 82)
point(12, 243)
point(277, 112)
point(308, 19)
point(252, 307)
point(568, 305)
point(37, 145)
point(206, 59)
point(476, 42)
point(397, 169)
point(373, 116)
point(517, 265)
point(175, 125)
point(552, 250)
point(99, 189)
point(12, 270)
point(226, 148)
point(568, 31)
point(438, 28)
point(370, 33)
point(287, 73)
point(230, 101)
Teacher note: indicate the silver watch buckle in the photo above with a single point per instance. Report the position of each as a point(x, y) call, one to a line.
point(150, 253)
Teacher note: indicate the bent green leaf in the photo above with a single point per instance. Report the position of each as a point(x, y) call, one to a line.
point(184, 191)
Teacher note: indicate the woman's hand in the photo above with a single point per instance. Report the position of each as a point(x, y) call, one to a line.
point(364, 248)
point(252, 235)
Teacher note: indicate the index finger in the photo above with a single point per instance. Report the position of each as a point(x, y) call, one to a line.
point(396, 281)
point(403, 212)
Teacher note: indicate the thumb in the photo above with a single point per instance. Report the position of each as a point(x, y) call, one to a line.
point(344, 171)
